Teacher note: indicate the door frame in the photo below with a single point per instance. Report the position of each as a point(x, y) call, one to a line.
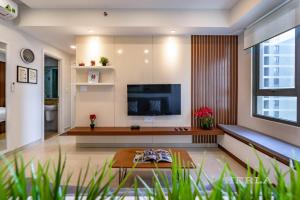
point(60, 94)
point(7, 85)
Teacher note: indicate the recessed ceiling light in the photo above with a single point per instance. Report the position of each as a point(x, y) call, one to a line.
point(146, 51)
point(91, 31)
point(173, 32)
point(73, 46)
point(146, 61)
point(120, 51)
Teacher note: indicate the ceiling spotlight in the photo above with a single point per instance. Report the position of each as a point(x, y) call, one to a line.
point(173, 32)
point(120, 51)
point(73, 46)
point(146, 61)
point(146, 51)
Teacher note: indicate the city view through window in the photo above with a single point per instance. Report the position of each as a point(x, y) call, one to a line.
point(277, 71)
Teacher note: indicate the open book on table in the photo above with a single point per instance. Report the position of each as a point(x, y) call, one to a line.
point(152, 155)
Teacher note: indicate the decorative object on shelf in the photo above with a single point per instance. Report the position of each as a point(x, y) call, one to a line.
point(104, 61)
point(27, 55)
point(93, 117)
point(205, 116)
point(93, 63)
point(32, 76)
point(81, 64)
point(135, 127)
point(93, 76)
point(22, 74)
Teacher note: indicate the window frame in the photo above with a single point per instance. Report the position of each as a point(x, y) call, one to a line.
point(293, 92)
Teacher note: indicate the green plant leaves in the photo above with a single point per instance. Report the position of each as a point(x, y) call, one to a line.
point(45, 183)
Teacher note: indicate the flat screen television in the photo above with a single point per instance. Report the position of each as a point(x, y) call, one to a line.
point(154, 99)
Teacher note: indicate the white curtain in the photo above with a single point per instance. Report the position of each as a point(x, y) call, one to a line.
point(284, 19)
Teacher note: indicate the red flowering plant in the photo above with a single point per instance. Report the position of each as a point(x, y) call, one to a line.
point(92, 119)
point(205, 116)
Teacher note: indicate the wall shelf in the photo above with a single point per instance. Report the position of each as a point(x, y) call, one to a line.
point(94, 84)
point(106, 76)
point(93, 68)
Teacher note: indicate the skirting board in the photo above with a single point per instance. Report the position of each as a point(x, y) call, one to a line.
point(143, 145)
point(15, 151)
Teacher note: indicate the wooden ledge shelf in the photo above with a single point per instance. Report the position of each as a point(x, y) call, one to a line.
point(126, 131)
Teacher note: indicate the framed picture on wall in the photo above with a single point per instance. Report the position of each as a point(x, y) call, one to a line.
point(93, 76)
point(22, 74)
point(32, 76)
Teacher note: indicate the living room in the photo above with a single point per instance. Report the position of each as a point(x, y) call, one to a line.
point(134, 94)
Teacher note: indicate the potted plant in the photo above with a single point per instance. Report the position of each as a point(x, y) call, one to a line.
point(205, 116)
point(104, 61)
point(92, 119)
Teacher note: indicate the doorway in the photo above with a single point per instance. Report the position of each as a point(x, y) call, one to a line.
point(3, 134)
point(51, 96)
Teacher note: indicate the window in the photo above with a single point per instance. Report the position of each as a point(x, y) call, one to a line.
point(266, 60)
point(266, 104)
point(276, 82)
point(276, 49)
point(266, 82)
point(276, 62)
point(276, 104)
point(266, 71)
point(276, 71)
point(266, 49)
point(276, 93)
point(276, 114)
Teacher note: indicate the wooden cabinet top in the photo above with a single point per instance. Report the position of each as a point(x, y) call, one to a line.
point(127, 131)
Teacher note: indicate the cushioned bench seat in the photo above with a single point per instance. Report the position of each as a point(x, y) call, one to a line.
point(280, 150)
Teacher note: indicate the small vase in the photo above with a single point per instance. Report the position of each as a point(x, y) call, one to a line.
point(206, 123)
point(103, 64)
point(92, 126)
point(206, 126)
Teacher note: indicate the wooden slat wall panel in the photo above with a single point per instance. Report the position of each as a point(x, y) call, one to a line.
point(214, 79)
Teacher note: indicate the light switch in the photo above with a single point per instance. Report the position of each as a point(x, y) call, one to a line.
point(12, 87)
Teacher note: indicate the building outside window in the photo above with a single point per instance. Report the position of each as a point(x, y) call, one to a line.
point(275, 95)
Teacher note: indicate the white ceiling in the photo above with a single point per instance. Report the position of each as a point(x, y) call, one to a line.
point(59, 27)
point(133, 4)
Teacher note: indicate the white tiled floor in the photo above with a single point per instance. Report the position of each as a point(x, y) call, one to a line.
point(78, 158)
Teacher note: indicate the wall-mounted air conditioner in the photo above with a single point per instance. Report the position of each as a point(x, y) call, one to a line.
point(8, 9)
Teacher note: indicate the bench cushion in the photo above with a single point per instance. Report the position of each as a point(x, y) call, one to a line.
point(276, 148)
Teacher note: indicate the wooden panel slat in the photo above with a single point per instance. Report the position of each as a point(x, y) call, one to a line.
point(214, 79)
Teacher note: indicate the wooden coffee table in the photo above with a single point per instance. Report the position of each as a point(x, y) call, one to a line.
point(123, 160)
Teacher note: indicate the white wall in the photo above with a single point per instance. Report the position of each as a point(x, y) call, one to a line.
point(285, 132)
point(169, 61)
point(25, 103)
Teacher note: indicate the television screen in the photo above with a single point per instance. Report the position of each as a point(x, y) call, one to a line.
point(154, 99)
